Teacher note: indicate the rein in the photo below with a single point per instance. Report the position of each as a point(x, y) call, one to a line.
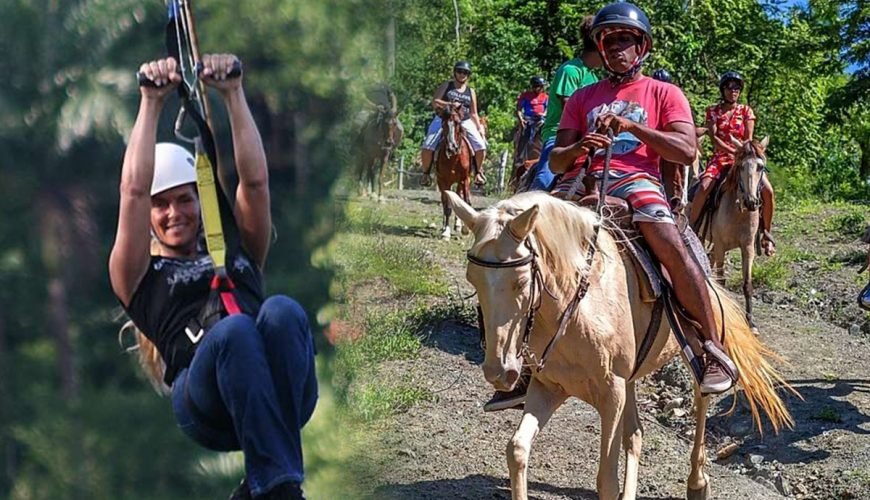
point(525, 351)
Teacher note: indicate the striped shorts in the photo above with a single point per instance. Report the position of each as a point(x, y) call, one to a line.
point(642, 191)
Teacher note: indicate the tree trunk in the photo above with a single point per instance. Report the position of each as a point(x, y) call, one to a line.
point(56, 238)
point(300, 159)
point(7, 446)
point(865, 157)
point(391, 48)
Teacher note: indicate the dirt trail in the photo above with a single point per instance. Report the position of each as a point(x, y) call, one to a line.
point(450, 448)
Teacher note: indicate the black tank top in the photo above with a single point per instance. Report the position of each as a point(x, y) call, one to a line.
point(174, 291)
point(453, 95)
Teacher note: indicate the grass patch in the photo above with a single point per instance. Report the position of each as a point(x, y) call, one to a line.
point(774, 273)
point(850, 223)
point(861, 476)
point(376, 401)
point(828, 414)
point(390, 336)
point(408, 268)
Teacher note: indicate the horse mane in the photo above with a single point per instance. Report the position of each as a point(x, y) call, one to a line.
point(751, 147)
point(563, 232)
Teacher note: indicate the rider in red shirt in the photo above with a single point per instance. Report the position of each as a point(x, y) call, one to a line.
point(725, 120)
point(650, 120)
point(531, 110)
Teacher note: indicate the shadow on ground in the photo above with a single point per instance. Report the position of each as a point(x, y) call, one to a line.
point(824, 408)
point(479, 486)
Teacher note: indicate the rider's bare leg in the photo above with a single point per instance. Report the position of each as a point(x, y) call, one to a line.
point(699, 199)
point(426, 160)
point(689, 282)
point(768, 204)
point(426, 156)
point(479, 156)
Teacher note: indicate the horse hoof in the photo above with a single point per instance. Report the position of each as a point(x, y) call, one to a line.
point(705, 493)
point(381, 199)
point(445, 235)
point(755, 331)
point(465, 230)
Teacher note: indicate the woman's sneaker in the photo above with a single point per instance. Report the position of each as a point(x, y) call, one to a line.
point(514, 399)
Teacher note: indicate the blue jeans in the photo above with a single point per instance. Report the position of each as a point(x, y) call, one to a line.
point(252, 386)
point(542, 177)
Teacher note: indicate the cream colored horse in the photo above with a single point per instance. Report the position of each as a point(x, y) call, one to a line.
point(735, 222)
point(596, 357)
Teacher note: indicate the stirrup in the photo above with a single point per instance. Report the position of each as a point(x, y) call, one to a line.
point(723, 359)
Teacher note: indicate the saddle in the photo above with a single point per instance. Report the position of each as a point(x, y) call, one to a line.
point(654, 283)
point(711, 204)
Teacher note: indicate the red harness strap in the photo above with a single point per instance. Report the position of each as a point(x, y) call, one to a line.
point(226, 288)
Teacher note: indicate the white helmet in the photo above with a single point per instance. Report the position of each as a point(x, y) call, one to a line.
point(173, 167)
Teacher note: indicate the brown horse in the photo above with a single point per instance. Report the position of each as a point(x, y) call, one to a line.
point(734, 223)
point(527, 150)
point(532, 254)
point(453, 159)
point(378, 139)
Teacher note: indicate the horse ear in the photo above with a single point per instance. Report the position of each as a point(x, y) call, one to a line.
point(764, 142)
point(521, 225)
point(464, 211)
point(737, 142)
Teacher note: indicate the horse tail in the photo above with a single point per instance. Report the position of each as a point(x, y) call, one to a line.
point(758, 377)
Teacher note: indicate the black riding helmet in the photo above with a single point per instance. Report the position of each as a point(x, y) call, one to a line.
point(463, 65)
point(622, 15)
point(537, 81)
point(662, 75)
point(730, 76)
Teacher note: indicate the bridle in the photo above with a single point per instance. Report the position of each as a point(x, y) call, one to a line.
point(537, 284)
point(741, 188)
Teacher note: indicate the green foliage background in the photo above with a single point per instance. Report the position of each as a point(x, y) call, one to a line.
point(793, 55)
point(76, 419)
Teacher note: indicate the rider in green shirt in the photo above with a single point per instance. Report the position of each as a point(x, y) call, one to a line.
point(570, 76)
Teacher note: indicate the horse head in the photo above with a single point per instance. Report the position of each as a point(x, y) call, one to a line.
point(498, 268)
point(748, 171)
point(451, 127)
point(527, 252)
point(393, 131)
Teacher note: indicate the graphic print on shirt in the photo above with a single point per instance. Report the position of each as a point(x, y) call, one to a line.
point(186, 272)
point(625, 142)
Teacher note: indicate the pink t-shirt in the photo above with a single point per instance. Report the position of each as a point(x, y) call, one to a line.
point(646, 101)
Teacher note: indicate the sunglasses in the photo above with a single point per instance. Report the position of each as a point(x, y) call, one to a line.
point(734, 86)
point(462, 72)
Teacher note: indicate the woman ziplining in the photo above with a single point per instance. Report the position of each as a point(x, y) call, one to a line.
point(240, 366)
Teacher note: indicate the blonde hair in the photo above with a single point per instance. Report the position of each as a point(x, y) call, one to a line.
point(150, 361)
point(149, 358)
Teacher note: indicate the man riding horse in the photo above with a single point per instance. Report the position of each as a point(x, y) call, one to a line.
point(531, 110)
point(456, 92)
point(648, 120)
point(571, 75)
point(725, 120)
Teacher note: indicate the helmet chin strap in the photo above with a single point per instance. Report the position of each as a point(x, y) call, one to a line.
point(617, 77)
